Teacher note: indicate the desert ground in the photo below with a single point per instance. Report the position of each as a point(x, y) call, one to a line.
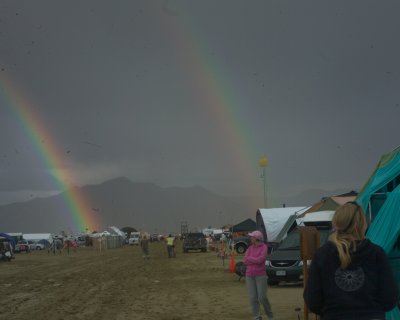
point(120, 284)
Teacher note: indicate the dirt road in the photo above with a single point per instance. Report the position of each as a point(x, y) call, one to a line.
point(120, 284)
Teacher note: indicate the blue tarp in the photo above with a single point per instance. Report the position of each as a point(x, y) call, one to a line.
point(9, 238)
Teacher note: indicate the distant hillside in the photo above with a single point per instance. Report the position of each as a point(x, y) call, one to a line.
point(143, 206)
point(122, 203)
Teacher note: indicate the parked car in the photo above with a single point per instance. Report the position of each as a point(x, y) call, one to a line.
point(195, 241)
point(81, 241)
point(134, 238)
point(22, 246)
point(35, 245)
point(28, 245)
point(285, 264)
point(240, 244)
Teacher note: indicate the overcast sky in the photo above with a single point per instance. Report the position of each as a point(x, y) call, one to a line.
point(184, 93)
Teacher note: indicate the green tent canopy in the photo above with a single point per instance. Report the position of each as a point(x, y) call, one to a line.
point(244, 226)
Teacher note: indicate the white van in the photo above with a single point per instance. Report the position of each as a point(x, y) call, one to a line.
point(134, 238)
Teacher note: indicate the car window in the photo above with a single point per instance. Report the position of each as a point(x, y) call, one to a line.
point(195, 235)
point(324, 235)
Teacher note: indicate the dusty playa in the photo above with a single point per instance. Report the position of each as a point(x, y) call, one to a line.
point(119, 284)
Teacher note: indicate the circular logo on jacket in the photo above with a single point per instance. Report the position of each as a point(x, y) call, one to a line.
point(349, 280)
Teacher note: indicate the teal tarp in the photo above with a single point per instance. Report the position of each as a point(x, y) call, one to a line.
point(387, 169)
point(385, 228)
point(384, 231)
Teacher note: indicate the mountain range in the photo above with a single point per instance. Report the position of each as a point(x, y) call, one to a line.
point(144, 206)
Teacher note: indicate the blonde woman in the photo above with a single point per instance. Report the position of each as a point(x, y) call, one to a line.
point(350, 277)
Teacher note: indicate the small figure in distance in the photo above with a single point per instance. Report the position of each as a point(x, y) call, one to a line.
point(144, 243)
point(350, 277)
point(171, 246)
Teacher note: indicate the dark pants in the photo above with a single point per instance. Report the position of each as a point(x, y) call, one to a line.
point(171, 251)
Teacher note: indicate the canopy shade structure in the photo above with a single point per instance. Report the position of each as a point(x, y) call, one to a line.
point(245, 225)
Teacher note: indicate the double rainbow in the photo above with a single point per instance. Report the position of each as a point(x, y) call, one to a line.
point(222, 105)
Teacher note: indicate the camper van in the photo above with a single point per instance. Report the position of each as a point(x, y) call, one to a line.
point(285, 263)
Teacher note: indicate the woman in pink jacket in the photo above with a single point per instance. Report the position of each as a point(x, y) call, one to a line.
point(256, 275)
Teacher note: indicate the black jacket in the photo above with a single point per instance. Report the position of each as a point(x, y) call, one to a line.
point(365, 290)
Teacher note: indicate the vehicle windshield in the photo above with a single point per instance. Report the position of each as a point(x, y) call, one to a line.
point(292, 241)
point(195, 235)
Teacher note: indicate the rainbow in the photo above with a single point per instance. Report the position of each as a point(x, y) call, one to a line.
point(50, 155)
point(222, 102)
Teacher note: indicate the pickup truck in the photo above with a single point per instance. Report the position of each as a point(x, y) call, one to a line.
point(195, 241)
point(240, 244)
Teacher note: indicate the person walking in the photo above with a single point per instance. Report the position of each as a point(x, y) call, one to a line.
point(171, 246)
point(256, 275)
point(350, 277)
point(144, 243)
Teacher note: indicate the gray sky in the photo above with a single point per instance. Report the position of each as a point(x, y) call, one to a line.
point(183, 93)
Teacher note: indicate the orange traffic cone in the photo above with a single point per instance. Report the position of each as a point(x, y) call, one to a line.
point(232, 265)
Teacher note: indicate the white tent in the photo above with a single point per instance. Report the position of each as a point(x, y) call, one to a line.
point(271, 221)
point(38, 236)
point(115, 230)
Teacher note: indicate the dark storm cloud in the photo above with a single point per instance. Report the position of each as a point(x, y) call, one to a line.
point(26, 179)
point(315, 84)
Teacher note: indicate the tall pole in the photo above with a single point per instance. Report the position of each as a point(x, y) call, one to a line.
point(263, 162)
point(265, 188)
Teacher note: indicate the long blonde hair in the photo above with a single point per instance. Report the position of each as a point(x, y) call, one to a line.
point(350, 225)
